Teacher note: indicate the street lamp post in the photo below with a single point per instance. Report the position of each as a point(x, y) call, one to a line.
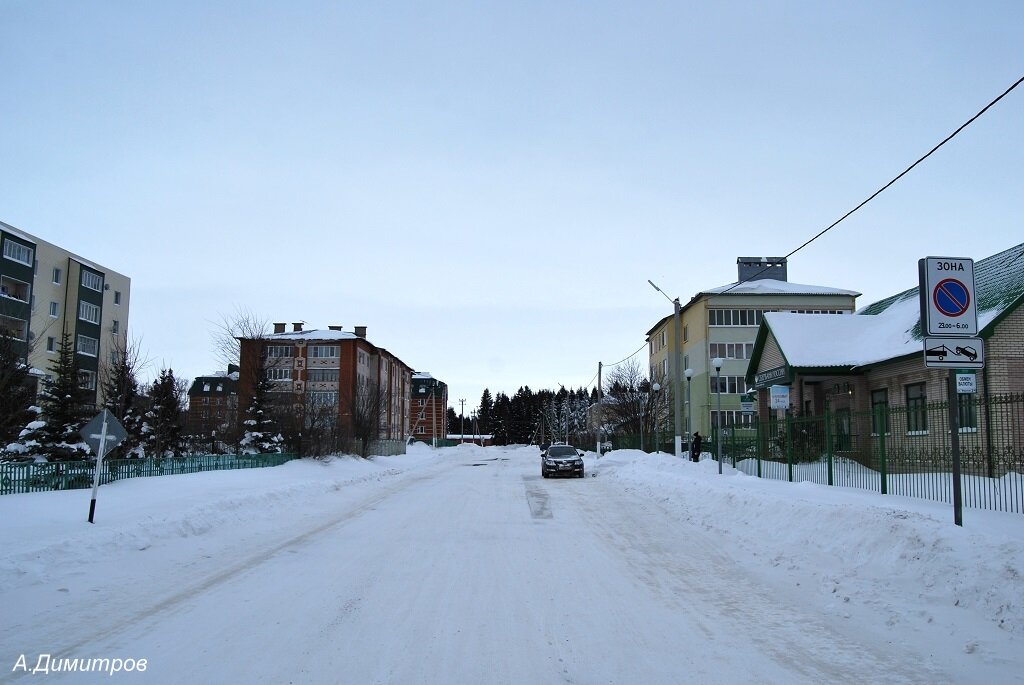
point(657, 415)
point(717, 363)
point(677, 381)
point(689, 414)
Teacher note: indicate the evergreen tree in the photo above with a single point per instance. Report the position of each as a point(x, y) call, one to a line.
point(16, 392)
point(162, 423)
point(261, 435)
point(484, 414)
point(453, 421)
point(122, 397)
point(66, 409)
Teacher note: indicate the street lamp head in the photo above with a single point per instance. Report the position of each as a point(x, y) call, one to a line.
point(656, 387)
point(689, 374)
point(653, 286)
point(717, 363)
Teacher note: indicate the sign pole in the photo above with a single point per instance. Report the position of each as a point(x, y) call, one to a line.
point(99, 463)
point(954, 437)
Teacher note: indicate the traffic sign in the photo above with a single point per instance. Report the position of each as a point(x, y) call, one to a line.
point(954, 353)
point(100, 438)
point(947, 296)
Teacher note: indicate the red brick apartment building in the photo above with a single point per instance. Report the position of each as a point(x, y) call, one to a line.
point(331, 370)
point(429, 410)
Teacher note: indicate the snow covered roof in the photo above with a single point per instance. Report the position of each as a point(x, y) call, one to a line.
point(314, 334)
point(769, 286)
point(890, 328)
point(422, 376)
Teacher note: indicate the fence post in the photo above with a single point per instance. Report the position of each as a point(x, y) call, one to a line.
point(882, 422)
point(789, 444)
point(829, 447)
point(732, 441)
point(757, 451)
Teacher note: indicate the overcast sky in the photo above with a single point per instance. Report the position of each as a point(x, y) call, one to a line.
point(488, 186)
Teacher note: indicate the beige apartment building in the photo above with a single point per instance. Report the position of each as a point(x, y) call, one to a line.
point(47, 291)
point(723, 322)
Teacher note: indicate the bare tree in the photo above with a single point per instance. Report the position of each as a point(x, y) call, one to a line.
point(369, 414)
point(243, 323)
point(631, 406)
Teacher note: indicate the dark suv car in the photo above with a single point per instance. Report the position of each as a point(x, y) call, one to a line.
point(561, 460)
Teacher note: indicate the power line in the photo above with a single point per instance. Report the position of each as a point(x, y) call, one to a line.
point(887, 185)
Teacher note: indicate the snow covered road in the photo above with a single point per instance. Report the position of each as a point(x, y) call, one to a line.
point(467, 568)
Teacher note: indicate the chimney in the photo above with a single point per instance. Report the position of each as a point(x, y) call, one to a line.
point(278, 328)
point(361, 332)
point(756, 268)
point(297, 327)
point(334, 328)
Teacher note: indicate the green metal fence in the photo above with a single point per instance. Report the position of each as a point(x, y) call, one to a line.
point(899, 450)
point(19, 477)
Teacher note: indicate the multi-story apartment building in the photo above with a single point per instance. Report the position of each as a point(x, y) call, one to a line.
point(213, 407)
point(429, 408)
point(334, 372)
point(723, 323)
point(48, 291)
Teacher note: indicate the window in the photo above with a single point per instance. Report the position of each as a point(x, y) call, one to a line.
point(279, 351)
point(731, 417)
point(14, 327)
point(115, 326)
point(686, 333)
point(880, 412)
point(117, 297)
point(87, 380)
point(323, 399)
point(92, 281)
point(421, 429)
point(322, 351)
point(18, 252)
point(729, 385)
point(51, 344)
point(968, 414)
point(732, 350)
point(54, 309)
point(14, 289)
point(322, 375)
point(87, 311)
point(664, 338)
point(57, 275)
point(735, 317)
point(87, 345)
point(664, 368)
point(917, 409)
point(279, 374)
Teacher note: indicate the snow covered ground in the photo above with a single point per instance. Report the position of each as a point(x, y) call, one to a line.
point(463, 565)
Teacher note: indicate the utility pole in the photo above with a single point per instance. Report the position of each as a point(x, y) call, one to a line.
point(597, 412)
point(462, 420)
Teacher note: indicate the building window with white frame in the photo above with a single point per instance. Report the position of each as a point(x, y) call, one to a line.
point(279, 351)
point(323, 351)
point(279, 374)
point(87, 311)
point(117, 297)
point(92, 281)
point(322, 375)
point(51, 344)
point(87, 380)
point(54, 310)
point(57, 275)
point(17, 252)
point(88, 346)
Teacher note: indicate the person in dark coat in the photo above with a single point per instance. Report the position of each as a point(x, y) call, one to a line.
point(695, 447)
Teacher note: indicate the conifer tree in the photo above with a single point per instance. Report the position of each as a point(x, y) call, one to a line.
point(261, 433)
point(162, 423)
point(65, 409)
point(16, 391)
point(122, 397)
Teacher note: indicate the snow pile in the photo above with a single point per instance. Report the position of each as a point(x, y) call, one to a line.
point(865, 555)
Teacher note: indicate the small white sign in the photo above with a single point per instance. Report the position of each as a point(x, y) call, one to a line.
point(780, 396)
point(954, 353)
point(966, 383)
